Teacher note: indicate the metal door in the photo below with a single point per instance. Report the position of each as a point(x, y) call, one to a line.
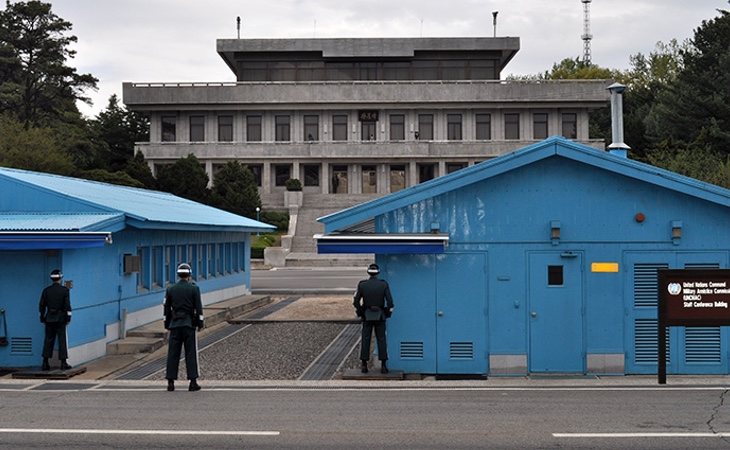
point(555, 294)
point(460, 313)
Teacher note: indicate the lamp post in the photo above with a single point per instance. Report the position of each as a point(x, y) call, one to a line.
point(258, 216)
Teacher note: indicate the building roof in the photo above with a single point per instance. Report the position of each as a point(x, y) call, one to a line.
point(141, 208)
point(10, 221)
point(553, 146)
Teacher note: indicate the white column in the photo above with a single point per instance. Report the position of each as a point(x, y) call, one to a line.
point(324, 180)
point(266, 178)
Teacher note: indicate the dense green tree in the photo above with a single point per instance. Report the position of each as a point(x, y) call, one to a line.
point(138, 169)
point(37, 86)
point(119, 129)
point(235, 190)
point(118, 177)
point(185, 178)
point(32, 149)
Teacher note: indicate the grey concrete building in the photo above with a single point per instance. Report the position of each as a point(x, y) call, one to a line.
point(354, 119)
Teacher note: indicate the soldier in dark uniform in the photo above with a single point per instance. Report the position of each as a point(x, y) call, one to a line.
point(373, 304)
point(183, 314)
point(55, 311)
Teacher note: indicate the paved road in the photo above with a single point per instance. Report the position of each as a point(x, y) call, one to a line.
point(235, 416)
point(306, 280)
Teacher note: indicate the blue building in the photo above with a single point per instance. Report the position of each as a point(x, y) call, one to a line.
point(543, 260)
point(118, 246)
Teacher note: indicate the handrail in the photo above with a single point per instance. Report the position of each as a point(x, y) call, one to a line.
point(357, 82)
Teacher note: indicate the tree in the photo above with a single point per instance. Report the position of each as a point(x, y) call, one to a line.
point(138, 169)
point(235, 190)
point(37, 86)
point(32, 149)
point(185, 178)
point(119, 129)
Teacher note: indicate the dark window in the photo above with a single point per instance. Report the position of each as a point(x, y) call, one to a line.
point(256, 170)
point(453, 70)
point(512, 126)
point(484, 126)
point(369, 130)
point(483, 70)
point(425, 127)
point(283, 71)
point(253, 128)
point(396, 70)
point(339, 180)
point(339, 127)
point(426, 172)
point(167, 124)
point(281, 174)
point(397, 178)
point(570, 125)
point(397, 127)
point(453, 122)
point(369, 180)
point(555, 275)
point(311, 175)
point(197, 128)
point(539, 126)
point(311, 128)
point(425, 70)
point(225, 128)
point(282, 128)
point(143, 276)
point(454, 166)
point(368, 71)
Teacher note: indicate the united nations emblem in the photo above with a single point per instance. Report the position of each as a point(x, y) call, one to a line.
point(674, 288)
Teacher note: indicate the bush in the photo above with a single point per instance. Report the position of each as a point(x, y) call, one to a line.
point(257, 252)
point(293, 184)
point(279, 219)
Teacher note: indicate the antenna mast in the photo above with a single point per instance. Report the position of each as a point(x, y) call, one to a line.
point(587, 36)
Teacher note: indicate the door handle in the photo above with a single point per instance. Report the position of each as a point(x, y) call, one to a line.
point(440, 313)
point(533, 314)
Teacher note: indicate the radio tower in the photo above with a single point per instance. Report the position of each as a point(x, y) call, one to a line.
point(587, 36)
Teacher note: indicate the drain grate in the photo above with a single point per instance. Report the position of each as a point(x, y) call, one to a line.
point(325, 366)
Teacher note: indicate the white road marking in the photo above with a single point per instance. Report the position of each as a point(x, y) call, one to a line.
point(640, 435)
point(140, 432)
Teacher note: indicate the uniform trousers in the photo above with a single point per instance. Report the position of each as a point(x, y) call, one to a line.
point(178, 337)
point(55, 330)
point(367, 333)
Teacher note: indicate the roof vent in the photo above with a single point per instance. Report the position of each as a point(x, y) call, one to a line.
point(617, 146)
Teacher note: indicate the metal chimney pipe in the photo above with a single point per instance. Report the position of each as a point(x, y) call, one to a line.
point(617, 147)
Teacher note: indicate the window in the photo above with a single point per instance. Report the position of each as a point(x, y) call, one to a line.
point(369, 131)
point(282, 128)
point(397, 178)
point(225, 128)
point(229, 258)
point(555, 275)
point(167, 123)
point(143, 279)
point(570, 125)
point(426, 172)
point(256, 170)
point(311, 128)
point(311, 175)
point(425, 127)
point(156, 267)
point(484, 127)
point(339, 127)
point(253, 128)
point(396, 70)
point(339, 180)
point(202, 261)
point(209, 258)
point(539, 126)
point(454, 166)
point(453, 125)
point(453, 70)
point(197, 128)
point(220, 259)
point(281, 174)
point(169, 271)
point(397, 127)
point(369, 180)
point(511, 126)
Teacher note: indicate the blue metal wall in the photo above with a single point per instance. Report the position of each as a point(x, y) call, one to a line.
point(507, 219)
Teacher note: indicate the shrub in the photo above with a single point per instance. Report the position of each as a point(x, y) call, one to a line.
point(293, 184)
point(279, 219)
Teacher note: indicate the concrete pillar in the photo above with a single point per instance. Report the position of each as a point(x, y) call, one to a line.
point(325, 178)
point(412, 174)
point(441, 169)
point(296, 173)
point(266, 178)
point(209, 172)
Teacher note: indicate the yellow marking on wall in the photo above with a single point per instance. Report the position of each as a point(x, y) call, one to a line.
point(604, 267)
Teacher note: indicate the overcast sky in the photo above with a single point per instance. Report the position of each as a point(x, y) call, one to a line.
point(175, 40)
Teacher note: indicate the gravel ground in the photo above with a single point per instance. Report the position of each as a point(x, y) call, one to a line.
point(265, 351)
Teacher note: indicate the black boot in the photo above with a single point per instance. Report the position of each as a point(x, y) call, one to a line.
point(364, 367)
point(64, 365)
point(170, 385)
point(383, 367)
point(194, 386)
point(45, 367)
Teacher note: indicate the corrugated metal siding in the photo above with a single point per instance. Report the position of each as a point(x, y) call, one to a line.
point(52, 222)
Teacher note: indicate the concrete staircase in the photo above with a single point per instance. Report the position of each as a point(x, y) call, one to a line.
point(150, 337)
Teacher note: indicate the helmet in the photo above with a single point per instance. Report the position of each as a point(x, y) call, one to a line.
point(56, 274)
point(184, 270)
point(373, 269)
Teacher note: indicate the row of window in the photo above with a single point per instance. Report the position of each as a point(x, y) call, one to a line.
point(397, 122)
point(158, 264)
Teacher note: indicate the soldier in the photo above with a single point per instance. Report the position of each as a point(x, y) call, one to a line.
point(376, 307)
point(55, 310)
point(183, 314)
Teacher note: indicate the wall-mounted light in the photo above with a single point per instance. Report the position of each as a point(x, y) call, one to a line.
point(676, 231)
point(555, 231)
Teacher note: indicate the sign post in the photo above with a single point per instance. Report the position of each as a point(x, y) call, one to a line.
point(690, 298)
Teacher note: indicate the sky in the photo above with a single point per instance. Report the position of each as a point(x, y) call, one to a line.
point(175, 40)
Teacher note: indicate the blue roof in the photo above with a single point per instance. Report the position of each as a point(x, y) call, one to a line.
point(553, 146)
point(60, 222)
point(143, 208)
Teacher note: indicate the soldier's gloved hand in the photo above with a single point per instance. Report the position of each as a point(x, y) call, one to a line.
point(359, 312)
point(388, 312)
point(43, 319)
point(167, 324)
point(201, 324)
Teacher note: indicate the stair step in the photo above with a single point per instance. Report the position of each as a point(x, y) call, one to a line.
point(132, 345)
